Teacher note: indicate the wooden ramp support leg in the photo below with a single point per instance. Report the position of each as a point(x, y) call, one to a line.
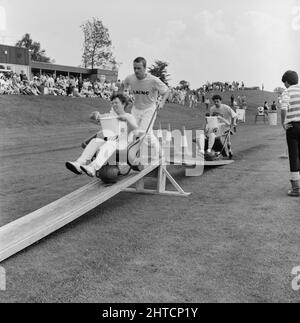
point(32, 227)
point(162, 177)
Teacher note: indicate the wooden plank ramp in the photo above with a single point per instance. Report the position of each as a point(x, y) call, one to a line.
point(29, 229)
point(199, 160)
point(221, 162)
point(195, 166)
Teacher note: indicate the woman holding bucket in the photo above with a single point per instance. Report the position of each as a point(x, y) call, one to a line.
point(103, 148)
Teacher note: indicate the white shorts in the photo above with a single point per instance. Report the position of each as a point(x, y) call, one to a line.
point(143, 118)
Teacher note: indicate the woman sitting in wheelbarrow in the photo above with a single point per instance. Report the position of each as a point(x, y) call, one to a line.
point(103, 148)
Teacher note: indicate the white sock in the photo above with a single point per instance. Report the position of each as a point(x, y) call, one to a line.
point(295, 176)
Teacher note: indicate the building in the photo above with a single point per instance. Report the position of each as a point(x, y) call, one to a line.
point(18, 59)
point(15, 59)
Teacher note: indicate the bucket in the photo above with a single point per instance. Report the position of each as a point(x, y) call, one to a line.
point(110, 126)
point(273, 118)
point(212, 122)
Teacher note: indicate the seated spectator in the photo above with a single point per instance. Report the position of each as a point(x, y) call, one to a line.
point(34, 86)
point(77, 94)
point(26, 89)
point(2, 82)
point(97, 89)
point(49, 85)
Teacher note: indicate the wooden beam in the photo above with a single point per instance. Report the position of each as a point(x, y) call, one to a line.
point(221, 162)
point(173, 182)
point(162, 177)
point(140, 185)
point(193, 162)
point(161, 180)
point(155, 192)
point(25, 231)
point(195, 167)
point(21, 233)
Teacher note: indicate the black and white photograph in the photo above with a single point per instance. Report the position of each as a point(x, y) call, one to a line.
point(149, 154)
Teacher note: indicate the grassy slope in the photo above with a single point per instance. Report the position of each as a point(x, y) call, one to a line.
point(27, 111)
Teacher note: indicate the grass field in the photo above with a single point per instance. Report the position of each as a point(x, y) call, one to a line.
point(235, 239)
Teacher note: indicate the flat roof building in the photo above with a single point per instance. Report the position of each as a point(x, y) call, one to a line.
point(19, 59)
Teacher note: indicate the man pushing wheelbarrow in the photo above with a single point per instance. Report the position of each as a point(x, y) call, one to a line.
point(221, 123)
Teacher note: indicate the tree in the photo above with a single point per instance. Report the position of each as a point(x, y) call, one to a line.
point(37, 54)
point(184, 85)
point(159, 69)
point(97, 45)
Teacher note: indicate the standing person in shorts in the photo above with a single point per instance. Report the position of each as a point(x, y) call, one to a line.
point(207, 102)
point(290, 119)
point(146, 89)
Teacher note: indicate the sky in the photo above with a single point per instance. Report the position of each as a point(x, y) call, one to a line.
point(254, 41)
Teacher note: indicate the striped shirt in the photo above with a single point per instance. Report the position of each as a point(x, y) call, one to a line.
point(290, 102)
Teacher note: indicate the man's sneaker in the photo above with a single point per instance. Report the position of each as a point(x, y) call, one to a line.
point(74, 167)
point(89, 170)
point(230, 155)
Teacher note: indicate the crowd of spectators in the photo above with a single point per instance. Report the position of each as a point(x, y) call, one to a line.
point(192, 98)
point(45, 84)
point(223, 87)
point(189, 98)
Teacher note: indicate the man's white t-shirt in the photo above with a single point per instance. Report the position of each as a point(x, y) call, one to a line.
point(145, 91)
point(224, 111)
